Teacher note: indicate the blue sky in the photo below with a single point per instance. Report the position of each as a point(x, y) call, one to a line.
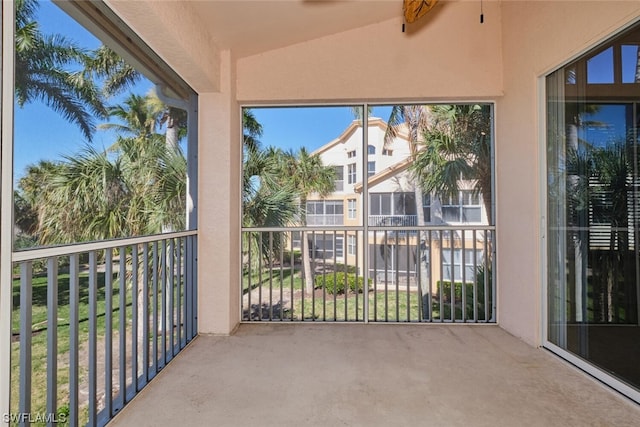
point(311, 127)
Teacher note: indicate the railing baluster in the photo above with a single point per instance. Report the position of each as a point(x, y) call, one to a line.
point(26, 283)
point(172, 288)
point(180, 305)
point(194, 282)
point(260, 268)
point(188, 293)
point(408, 250)
point(282, 240)
point(154, 308)
point(292, 270)
point(271, 275)
point(463, 263)
point(324, 274)
point(122, 326)
point(134, 317)
point(145, 313)
point(475, 276)
point(108, 332)
point(52, 337)
point(164, 286)
point(74, 372)
point(441, 286)
point(93, 339)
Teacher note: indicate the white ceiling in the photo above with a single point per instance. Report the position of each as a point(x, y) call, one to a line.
point(248, 27)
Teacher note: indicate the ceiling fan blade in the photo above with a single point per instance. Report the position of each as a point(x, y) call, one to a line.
point(415, 9)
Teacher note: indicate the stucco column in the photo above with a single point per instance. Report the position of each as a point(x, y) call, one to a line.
point(219, 206)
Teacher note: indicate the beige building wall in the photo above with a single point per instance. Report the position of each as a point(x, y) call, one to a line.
point(449, 55)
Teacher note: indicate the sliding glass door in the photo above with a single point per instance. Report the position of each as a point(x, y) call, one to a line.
point(593, 208)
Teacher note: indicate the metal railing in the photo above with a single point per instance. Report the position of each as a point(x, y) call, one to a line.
point(94, 323)
point(399, 274)
point(393, 220)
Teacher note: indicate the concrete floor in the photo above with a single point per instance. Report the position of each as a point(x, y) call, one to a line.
point(373, 375)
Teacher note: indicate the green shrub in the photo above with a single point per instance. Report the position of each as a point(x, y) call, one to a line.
point(334, 283)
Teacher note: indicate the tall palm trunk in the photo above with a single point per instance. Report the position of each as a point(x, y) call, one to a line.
point(425, 289)
point(306, 250)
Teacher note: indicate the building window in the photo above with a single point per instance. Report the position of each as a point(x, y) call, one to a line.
point(325, 212)
point(371, 150)
point(452, 269)
point(351, 245)
point(351, 173)
point(426, 207)
point(387, 152)
point(296, 240)
point(371, 168)
point(323, 246)
point(339, 180)
point(351, 208)
point(351, 154)
point(463, 207)
point(392, 209)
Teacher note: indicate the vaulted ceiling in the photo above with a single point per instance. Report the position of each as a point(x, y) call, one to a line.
point(248, 27)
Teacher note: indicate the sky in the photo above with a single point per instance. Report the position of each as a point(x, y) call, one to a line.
point(311, 127)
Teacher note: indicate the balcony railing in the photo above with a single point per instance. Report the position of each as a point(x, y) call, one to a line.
point(412, 274)
point(93, 323)
point(393, 220)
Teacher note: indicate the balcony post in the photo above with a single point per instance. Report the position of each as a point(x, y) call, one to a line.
point(6, 202)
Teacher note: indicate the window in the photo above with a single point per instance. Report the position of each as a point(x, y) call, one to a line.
point(296, 240)
point(387, 152)
point(351, 245)
point(324, 244)
point(426, 207)
point(325, 212)
point(371, 149)
point(351, 173)
point(452, 271)
point(351, 154)
point(463, 207)
point(392, 209)
point(351, 208)
point(339, 180)
point(371, 168)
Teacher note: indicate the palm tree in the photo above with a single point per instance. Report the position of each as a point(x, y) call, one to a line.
point(456, 147)
point(414, 119)
point(266, 200)
point(43, 73)
point(306, 175)
point(139, 187)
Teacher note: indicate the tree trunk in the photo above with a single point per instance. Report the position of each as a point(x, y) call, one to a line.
point(306, 263)
point(424, 282)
